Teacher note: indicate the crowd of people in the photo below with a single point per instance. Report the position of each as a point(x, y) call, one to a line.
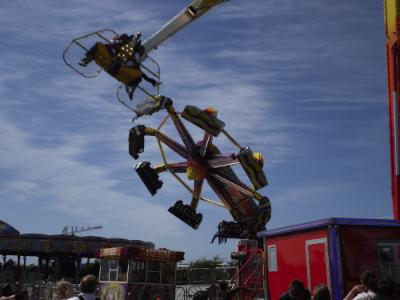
point(297, 291)
point(369, 288)
point(63, 290)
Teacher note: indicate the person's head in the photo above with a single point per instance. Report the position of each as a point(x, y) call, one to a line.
point(63, 290)
point(88, 284)
point(6, 290)
point(22, 295)
point(368, 279)
point(297, 290)
point(223, 285)
point(321, 292)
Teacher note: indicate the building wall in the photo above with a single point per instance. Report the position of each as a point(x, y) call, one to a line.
point(360, 251)
point(291, 260)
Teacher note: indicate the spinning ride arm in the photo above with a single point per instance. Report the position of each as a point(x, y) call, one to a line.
point(250, 210)
point(191, 13)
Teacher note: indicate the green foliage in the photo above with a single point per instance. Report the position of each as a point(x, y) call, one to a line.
point(210, 263)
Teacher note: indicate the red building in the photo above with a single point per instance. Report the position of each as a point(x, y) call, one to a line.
point(331, 251)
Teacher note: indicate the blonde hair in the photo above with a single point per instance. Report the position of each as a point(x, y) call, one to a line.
point(321, 292)
point(62, 289)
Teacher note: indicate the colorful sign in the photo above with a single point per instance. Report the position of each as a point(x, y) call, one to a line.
point(141, 253)
point(157, 254)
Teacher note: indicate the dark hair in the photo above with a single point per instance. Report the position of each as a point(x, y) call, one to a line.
point(223, 285)
point(22, 295)
point(368, 279)
point(321, 292)
point(296, 288)
point(88, 284)
point(6, 290)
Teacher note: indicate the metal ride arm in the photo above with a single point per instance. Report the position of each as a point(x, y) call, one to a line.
point(191, 13)
point(205, 162)
point(172, 144)
point(180, 127)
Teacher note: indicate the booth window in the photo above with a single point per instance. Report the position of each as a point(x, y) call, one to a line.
point(389, 260)
point(114, 270)
point(153, 271)
point(138, 270)
point(168, 272)
point(272, 259)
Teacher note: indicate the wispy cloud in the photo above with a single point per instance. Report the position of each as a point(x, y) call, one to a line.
point(302, 82)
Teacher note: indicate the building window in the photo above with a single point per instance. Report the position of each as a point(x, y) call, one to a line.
point(272, 259)
point(153, 271)
point(114, 270)
point(168, 272)
point(138, 271)
point(389, 260)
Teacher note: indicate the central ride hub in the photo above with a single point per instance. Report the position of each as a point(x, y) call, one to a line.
point(196, 170)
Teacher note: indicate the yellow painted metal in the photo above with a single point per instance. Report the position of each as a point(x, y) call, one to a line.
point(103, 57)
point(128, 74)
point(203, 4)
point(391, 16)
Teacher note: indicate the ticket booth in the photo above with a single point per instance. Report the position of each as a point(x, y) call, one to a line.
point(331, 251)
point(136, 273)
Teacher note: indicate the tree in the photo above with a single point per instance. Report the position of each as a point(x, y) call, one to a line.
point(210, 263)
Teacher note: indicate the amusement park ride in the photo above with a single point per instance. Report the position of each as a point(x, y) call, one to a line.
point(124, 58)
point(319, 244)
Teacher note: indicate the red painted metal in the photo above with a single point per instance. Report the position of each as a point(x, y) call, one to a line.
point(314, 253)
point(317, 264)
point(392, 61)
point(291, 260)
point(249, 276)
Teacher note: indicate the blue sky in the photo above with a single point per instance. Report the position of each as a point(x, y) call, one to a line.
point(303, 82)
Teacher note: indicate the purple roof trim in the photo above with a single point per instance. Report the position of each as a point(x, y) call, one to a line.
point(327, 222)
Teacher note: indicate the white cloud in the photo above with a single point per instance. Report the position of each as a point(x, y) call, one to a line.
point(73, 187)
point(266, 66)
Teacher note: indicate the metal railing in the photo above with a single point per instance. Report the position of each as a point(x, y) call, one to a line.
point(190, 282)
point(204, 275)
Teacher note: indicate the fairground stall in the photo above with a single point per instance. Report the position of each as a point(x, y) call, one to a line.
point(37, 257)
point(333, 252)
point(138, 273)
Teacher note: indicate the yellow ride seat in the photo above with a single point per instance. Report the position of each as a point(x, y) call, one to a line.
point(128, 75)
point(104, 59)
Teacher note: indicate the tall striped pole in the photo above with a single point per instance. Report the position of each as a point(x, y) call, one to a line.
point(393, 63)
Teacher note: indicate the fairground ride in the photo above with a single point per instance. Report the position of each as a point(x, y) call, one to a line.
point(125, 58)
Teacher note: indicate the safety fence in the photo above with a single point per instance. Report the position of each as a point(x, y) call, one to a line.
point(191, 282)
point(204, 275)
point(189, 292)
point(45, 291)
